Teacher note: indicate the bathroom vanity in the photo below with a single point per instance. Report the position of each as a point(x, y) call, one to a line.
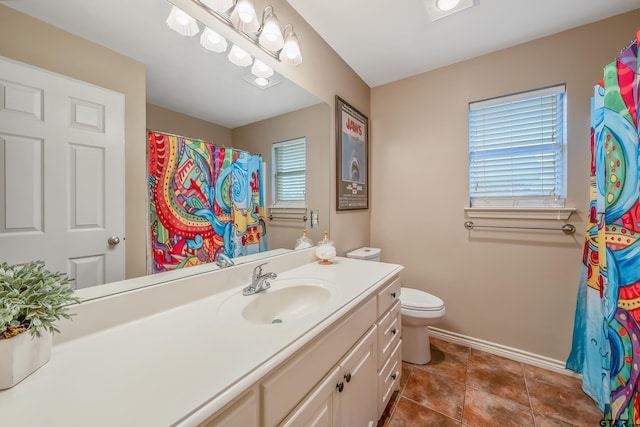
point(321, 347)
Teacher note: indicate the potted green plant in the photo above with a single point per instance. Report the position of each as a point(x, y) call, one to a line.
point(32, 299)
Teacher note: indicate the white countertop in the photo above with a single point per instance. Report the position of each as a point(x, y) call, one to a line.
point(177, 366)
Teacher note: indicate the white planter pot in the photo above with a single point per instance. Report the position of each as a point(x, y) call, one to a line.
point(22, 355)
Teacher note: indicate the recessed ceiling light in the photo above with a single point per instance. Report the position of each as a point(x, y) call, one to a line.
point(261, 82)
point(438, 9)
point(446, 4)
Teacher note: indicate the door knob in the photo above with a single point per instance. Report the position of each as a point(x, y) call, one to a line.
point(113, 240)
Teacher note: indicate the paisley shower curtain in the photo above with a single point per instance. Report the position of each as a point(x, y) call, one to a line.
point(606, 346)
point(204, 200)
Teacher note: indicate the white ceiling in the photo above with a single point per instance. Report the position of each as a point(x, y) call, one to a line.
point(384, 41)
point(180, 75)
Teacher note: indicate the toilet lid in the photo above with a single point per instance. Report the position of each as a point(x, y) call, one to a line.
point(415, 299)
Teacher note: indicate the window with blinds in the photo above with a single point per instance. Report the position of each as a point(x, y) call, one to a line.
point(290, 172)
point(517, 150)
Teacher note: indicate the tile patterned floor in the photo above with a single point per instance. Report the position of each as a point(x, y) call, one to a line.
point(463, 387)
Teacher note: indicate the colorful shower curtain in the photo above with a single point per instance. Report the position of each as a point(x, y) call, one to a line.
point(606, 346)
point(204, 201)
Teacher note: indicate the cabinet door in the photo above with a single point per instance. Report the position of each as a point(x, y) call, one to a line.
point(242, 412)
point(358, 398)
point(319, 408)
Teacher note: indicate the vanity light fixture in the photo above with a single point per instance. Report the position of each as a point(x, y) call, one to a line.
point(239, 56)
point(213, 41)
point(182, 23)
point(218, 5)
point(281, 45)
point(260, 69)
point(290, 53)
point(244, 18)
point(270, 34)
point(438, 9)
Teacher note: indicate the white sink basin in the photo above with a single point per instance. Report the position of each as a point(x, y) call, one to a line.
point(286, 300)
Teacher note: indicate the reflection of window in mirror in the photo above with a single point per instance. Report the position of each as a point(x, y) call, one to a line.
point(289, 166)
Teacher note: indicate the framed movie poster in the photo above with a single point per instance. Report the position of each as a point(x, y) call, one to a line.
point(352, 168)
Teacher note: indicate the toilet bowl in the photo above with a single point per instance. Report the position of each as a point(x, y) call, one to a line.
point(418, 310)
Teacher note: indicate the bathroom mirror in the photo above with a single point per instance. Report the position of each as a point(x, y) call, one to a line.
point(224, 97)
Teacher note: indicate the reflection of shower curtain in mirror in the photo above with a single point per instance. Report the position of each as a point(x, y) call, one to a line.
point(606, 346)
point(204, 200)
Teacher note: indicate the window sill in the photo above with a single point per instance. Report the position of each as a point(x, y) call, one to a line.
point(520, 213)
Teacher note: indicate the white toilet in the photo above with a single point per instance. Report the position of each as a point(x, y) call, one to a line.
point(419, 309)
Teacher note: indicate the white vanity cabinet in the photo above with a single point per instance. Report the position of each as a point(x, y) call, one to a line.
point(342, 378)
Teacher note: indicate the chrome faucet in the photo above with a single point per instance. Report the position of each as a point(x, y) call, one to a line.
point(259, 281)
point(224, 261)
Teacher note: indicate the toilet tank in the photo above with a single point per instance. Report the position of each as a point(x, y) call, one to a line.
point(369, 254)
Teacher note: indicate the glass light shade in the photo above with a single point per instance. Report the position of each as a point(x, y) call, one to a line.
point(244, 18)
point(261, 81)
point(260, 69)
point(290, 53)
point(239, 57)
point(446, 4)
point(182, 23)
point(271, 36)
point(213, 41)
point(218, 5)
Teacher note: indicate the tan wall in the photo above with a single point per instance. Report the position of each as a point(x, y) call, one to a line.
point(34, 42)
point(512, 288)
point(312, 123)
point(163, 120)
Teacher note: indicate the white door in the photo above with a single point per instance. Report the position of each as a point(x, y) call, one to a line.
point(61, 174)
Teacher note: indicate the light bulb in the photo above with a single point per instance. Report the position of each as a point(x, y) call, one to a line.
point(446, 4)
point(239, 57)
point(260, 69)
point(182, 18)
point(290, 53)
point(271, 35)
point(261, 81)
point(243, 17)
point(182, 23)
point(213, 41)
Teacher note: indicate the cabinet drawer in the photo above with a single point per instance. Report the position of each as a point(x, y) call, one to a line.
point(389, 378)
point(388, 333)
point(282, 390)
point(388, 295)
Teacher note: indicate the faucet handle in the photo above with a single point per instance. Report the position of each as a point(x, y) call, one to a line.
point(257, 271)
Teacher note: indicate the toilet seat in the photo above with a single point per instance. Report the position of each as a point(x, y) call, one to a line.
point(417, 300)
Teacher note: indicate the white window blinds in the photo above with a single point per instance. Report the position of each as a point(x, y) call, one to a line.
point(516, 150)
point(290, 173)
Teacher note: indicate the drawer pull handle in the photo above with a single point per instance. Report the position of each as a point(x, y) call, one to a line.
point(394, 376)
point(393, 294)
point(394, 331)
point(340, 386)
point(347, 377)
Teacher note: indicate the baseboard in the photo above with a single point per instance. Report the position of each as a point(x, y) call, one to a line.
point(504, 351)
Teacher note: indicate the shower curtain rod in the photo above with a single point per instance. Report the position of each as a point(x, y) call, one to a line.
point(566, 228)
point(202, 140)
